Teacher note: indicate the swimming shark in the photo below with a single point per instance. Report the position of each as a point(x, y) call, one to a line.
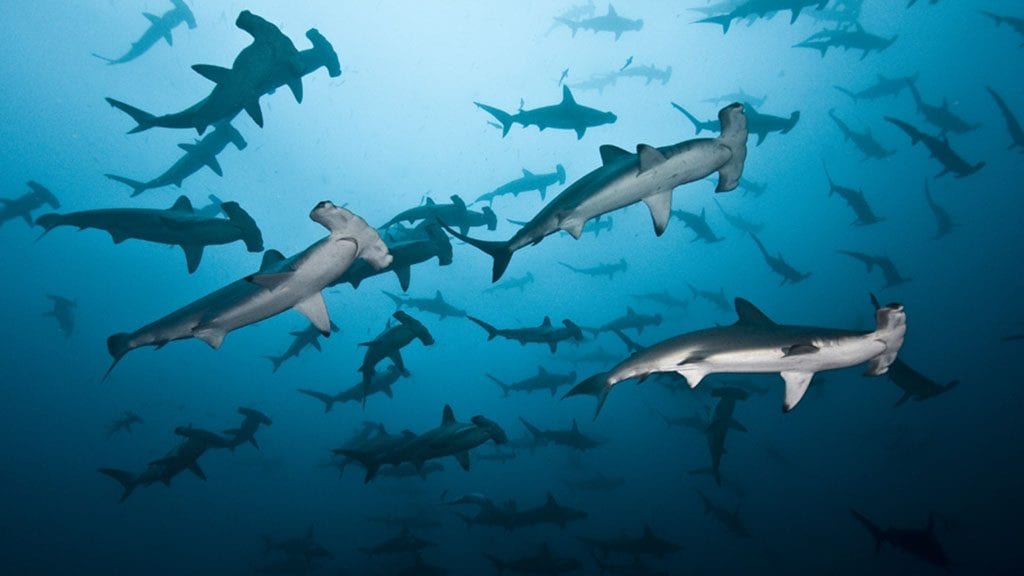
point(389, 344)
point(739, 222)
point(730, 519)
point(436, 305)
point(849, 38)
point(631, 320)
point(762, 9)
point(609, 269)
point(246, 431)
point(304, 546)
point(917, 542)
point(125, 422)
point(380, 382)
point(865, 141)
point(699, 224)
point(280, 284)
point(543, 562)
point(738, 96)
point(546, 333)
point(419, 245)
point(1012, 124)
point(550, 512)
point(160, 27)
point(22, 206)
point(63, 313)
point(175, 226)
point(526, 183)
point(623, 179)
point(855, 200)
point(597, 82)
point(455, 214)
point(647, 544)
point(751, 187)
point(566, 115)
point(939, 149)
point(610, 22)
point(302, 339)
point(519, 283)
point(916, 385)
point(884, 263)
point(202, 153)
point(571, 438)
point(594, 226)
point(757, 123)
point(883, 87)
point(756, 344)
point(542, 380)
point(940, 115)
point(779, 265)
point(718, 299)
point(944, 223)
point(664, 298)
point(722, 421)
point(269, 62)
point(403, 543)
point(649, 73)
point(1013, 22)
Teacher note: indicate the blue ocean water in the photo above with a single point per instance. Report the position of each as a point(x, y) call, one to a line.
point(399, 125)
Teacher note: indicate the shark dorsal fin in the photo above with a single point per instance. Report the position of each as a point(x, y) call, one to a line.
point(610, 153)
point(567, 98)
point(750, 314)
point(430, 201)
point(611, 10)
point(438, 296)
point(546, 322)
point(270, 259)
point(527, 173)
point(447, 416)
point(649, 157)
point(630, 311)
point(575, 426)
point(182, 204)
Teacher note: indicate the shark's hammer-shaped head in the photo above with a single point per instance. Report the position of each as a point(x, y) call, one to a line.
point(344, 223)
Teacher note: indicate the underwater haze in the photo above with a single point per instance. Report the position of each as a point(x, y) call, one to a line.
point(874, 153)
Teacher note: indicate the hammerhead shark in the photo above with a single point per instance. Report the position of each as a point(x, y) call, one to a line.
point(884, 263)
point(855, 200)
point(246, 431)
point(757, 123)
point(542, 380)
point(280, 284)
point(571, 438)
point(63, 313)
point(301, 339)
point(761, 9)
point(609, 269)
point(848, 38)
point(921, 543)
point(527, 182)
point(864, 141)
point(623, 179)
point(389, 344)
point(630, 321)
point(940, 150)
point(779, 265)
point(940, 115)
point(717, 430)
point(436, 305)
point(176, 226)
point(883, 87)
point(381, 382)
point(202, 153)
point(160, 27)
point(566, 115)
point(699, 224)
point(22, 206)
point(546, 333)
point(455, 214)
point(1012, 124)
point(756, 344)
point(418, 245)
point(944, 223)
point(610, 22)
point(1015, 23)
point(125, 422)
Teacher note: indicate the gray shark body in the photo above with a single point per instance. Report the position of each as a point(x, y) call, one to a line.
point(566, 115)
point(865, 141)
point(855, 38)
point(648, 544)
point(757, 123)
point(699, 224)
point(380, 383)
point(423, 243)
point(779, 265)
point(624, 179)
point(738, 96)
point(1013, 22)
point(571, 438)
point(526, 183)
point(940, 115)
point(882, 88)
point(125, 422)
point(160, 28)
point(756, 344)
point(1012, 124)
point(610, 269)
point(648, 73)
point(390, 343)
point(763, 9)
point(855, 200)
point(917, 542)
point(176, 226)
point(546, 333)
point(717, 299)
point(63, 311)
point(939, 149)
point(455, 215)
point(280, 284)
point(944, 223)
point(201, 154)
point(892, 276)
point(246, 431)
point(542, 380)
point(610, 22)
point(739, 222)
point(664, 298)
point(308, 337)
point(631, 320)
point(22, 206)
point(518, 283)
point(436, 305)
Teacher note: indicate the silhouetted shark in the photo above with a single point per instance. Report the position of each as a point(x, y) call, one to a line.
point(546, 333)
point(455, 215)
point(389, 344)
point(855, 200)
point(921, 543)
point(22, 206)
point(940, 115)
point(543, 380)
point(246, 431)
point(757, 123)
point(944, 223)
point(125, 422)
point(63, 313)
point(566, 115)
point(610, 269)
point(1015, 23)
point(729, 518)
point(302, 339)
point(160, 27)
point(850, 38)
point(610, 22)
point(718, 299)
point(883, 86)
point(779, 265)
point(1012, 124)
point(864, 141)
point(762, 9)
point(699, 224)
point(940, 150)
point(571, 438)
point(739, 222)
point(436, 305)
point(892, 275)
point(526, 183)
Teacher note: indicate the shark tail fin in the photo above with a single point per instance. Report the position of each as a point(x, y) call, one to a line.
point(500, 251)
point(251, 234)
point(596, 386)
point(136, 186)
point(500, 115)
point(733, 136)
point(504, 387)
point(874, 529)
point(144, 119)
point(847, 92)
point(276, 361)
point(697, 125)
point(492, 332)
point(891, 327)
point(124, 478)
point(398, 301)
point(327, 399)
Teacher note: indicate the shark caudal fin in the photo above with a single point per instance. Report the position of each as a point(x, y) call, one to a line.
point(492, 332)
point(124, 478)
point(500, 251)
point(876, 532)
point(505, 388)
point(136, 186)
point(396, 299)
point(500, 115)
point(891, 327)
point(327, 399)
point(733, 136)
point(144, 119)
point(596, 386)
point(697, 124)
point(276, 361)
point(251, 234)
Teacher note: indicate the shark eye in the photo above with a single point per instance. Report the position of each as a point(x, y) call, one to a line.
point(323, 204)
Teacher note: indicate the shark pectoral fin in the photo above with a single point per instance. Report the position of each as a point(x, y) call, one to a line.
point(573, 227)
point(190, 148)
point(553, 345)
point(169, 38)
point(660, 205)
point(580, 132)
point(212, 336)
point(796, 386)
point(295, 85)
point(463, 459)
point(193, 254)
point(117, 235)
point(316, 344)
point(315, 309)
point(194, 467)
point(403, 274)
point(798, 349)
point(214, 165)
point(270, 281)
point(216, 74)
point(254, 112)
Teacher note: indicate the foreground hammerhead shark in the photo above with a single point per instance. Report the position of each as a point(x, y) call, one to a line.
point(756, 344)
point(159, 27)
point(280, 284)
point(623, 179)
point(178, 226)
point(566, 115)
